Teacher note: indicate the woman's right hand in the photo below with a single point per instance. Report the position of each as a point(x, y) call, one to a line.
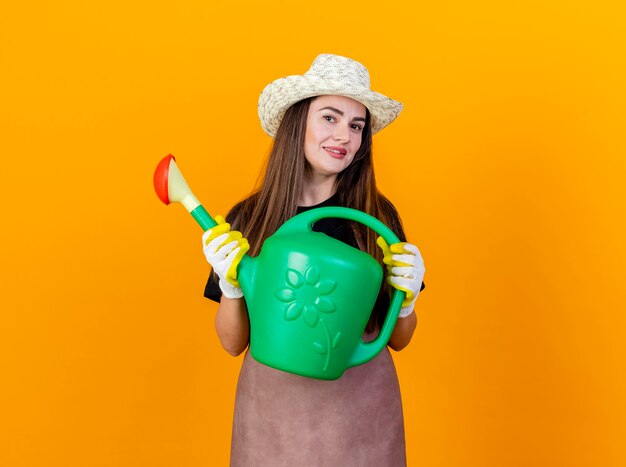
point(223, 250)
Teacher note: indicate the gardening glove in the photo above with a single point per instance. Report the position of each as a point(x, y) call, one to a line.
point(224, 249)
point(405, 271)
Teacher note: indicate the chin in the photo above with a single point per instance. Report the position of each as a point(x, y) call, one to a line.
point(334, 169)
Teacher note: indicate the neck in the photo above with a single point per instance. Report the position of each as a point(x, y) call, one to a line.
point(317, 189)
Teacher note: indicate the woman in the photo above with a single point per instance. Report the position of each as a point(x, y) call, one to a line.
point(322, 124)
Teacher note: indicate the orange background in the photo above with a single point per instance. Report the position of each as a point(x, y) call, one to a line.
point(507, 165)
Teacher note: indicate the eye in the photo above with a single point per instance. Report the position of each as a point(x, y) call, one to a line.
point(329, 118)
point(357, 127)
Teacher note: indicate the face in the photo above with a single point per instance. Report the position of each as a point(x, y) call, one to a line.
point(333, 133)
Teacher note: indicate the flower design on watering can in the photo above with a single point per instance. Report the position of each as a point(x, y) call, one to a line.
point(307, 295)
point(304, 294)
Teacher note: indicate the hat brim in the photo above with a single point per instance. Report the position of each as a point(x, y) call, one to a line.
point(281, 94)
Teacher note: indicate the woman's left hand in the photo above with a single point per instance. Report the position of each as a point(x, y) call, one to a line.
point(405, 271)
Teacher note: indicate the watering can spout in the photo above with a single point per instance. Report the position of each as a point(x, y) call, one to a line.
point(170, 186)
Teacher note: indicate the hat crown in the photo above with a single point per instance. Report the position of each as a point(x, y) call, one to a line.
point(339, 69)
point(331, 75)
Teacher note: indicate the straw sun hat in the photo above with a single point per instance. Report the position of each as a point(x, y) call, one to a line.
point(328, 75)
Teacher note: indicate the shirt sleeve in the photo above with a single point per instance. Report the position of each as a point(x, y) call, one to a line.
point(212, 289)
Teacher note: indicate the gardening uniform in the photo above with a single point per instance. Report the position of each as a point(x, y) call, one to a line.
point(282, 419)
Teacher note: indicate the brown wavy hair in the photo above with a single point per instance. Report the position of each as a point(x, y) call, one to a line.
point(275, 200)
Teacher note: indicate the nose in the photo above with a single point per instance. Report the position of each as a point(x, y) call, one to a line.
point(342, 133)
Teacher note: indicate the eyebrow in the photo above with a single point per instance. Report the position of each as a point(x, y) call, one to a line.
point(333, 109)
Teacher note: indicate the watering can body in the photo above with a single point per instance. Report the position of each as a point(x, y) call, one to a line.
point(310, 296)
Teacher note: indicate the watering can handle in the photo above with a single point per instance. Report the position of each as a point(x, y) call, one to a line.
point(365, 351)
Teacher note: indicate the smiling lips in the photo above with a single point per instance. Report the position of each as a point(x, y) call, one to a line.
point(335, 151)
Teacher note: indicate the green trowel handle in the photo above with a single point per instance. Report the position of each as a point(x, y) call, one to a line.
point(304, 222)
point(203, 218)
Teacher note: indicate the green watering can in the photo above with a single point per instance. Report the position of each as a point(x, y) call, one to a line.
point(309, 296)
